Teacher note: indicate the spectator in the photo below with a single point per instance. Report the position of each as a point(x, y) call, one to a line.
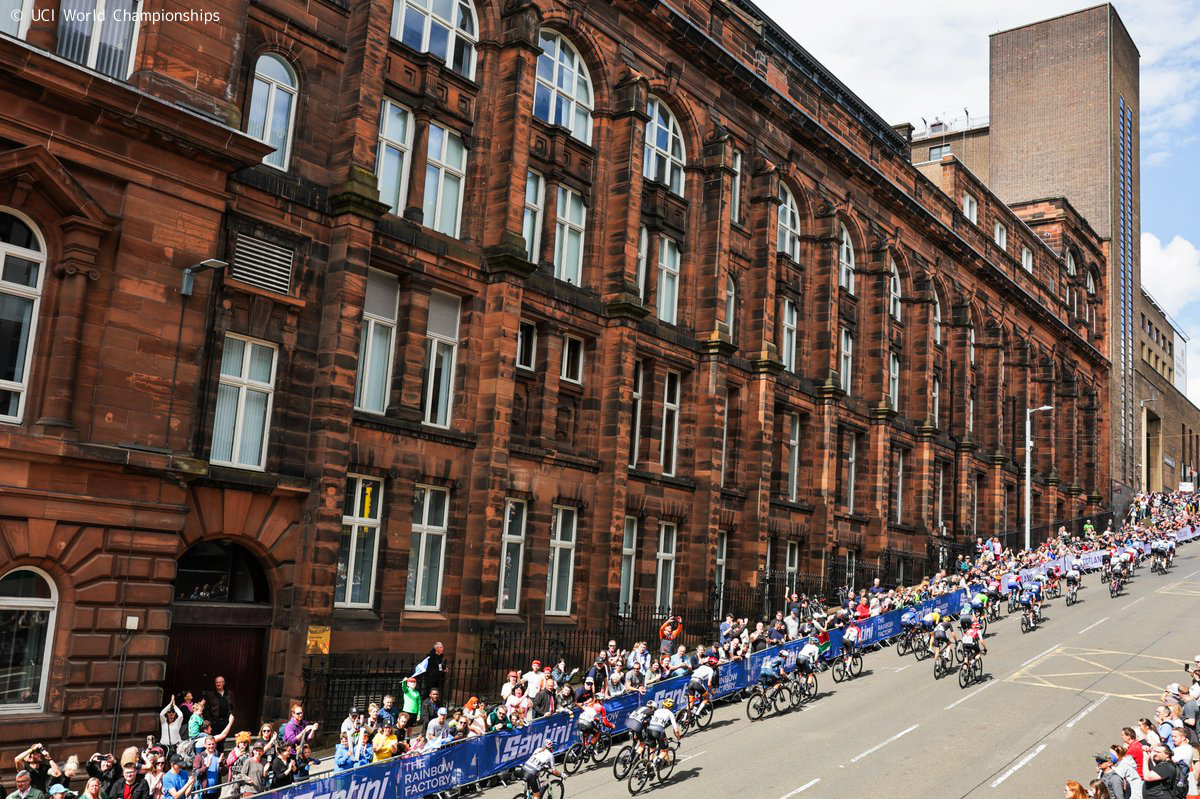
point(533, 679)
point(364, 753)
point(270, 740)
point(104, 768)
point(586, 691)
point(514, 679)
point(155, 772)
point(304, 763)
point(616, 682)
point(343, 755)
point(439, 726)
point(385, 744)
point(241, 748)
point(132, 785)
point(791, 623)
point(254, 777)
point(387, 713)
point(1105, 761)
point(172, 722)
point(25, 789)
point(92, 789)
point(37, 762)
point(1133, 748)
point(209, 767)
point(1181, 750)
point(298, 732)
point(351, 724)
point(638, 656)
point(498, 719)
point(218, 703)
point(545, 702)
point(68, 772)
point(671, 629)
point(196, 720)
point(176, 782)
point(1158, 772)
point(435, 668)
point(429, 707)
point(599, 671)
point(412, 699)
point(283, 768)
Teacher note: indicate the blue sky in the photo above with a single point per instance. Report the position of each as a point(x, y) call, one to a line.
point(930, 59)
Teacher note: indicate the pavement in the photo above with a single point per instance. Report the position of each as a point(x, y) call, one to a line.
point(1049, 700)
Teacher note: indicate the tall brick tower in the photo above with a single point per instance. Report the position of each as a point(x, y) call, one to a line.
point(1064, 122)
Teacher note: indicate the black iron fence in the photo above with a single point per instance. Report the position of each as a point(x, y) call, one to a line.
point(1073, 528)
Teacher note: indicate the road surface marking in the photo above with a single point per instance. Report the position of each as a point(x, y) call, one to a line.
point(689, 757)
point(1019, 764)
point(1193, 574)
point(803, 787)
point(1131, 604)
point(968, 696)
point(1087, 710)
point(1035, 657)
point(877, 747)
point(1093, 624)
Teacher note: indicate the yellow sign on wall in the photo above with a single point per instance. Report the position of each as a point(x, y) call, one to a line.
point(318, 640)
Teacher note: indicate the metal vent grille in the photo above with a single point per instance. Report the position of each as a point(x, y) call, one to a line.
point(263, 264)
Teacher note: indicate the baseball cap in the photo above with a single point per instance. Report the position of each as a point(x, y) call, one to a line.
point(176, 759)
point(353, 711)
point(442, 711)
point(537, 663)
point(258, 743)
point(1102, 757)
point(587, 680)
point(1173, 688)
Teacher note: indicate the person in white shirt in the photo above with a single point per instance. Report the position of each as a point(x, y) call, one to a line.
point(172, 721)
point(351, 724)
point(533, 679)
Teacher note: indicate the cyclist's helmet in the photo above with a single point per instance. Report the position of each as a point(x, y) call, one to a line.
point(548, 744)
point(668, 703)
point(652, 705)
point(937, 616)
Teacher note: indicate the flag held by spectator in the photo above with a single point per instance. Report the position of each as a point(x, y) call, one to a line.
point(421, 668)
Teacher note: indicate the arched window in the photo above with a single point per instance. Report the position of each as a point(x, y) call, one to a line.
point(28, 603)
point(22, 264)
point(846, 261)
point(220, 571)
point(445, 28)
point(731, 306)
point(1090, 310)
point(894, 292)
point(563, 95)
point(273, 108)
point(789, 224)
point(665, 155)
point(971, 346)
point(937, 320)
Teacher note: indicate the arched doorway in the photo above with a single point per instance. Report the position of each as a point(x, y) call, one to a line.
point(220, 617)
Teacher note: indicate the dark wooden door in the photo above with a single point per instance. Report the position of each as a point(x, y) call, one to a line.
point(197, 654)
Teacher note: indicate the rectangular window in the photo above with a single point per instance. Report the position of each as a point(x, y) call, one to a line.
point(244, 396)
point(527, 345)
point(568, 240)
point(1027, 259)
point(512, 550)
point(375, 348)
point(668, 280)
point(358, 545)
point(792, 567)
point(665, 587)
point(939, 151)
point(790, 327)
point(445, 171)
point(976, 485)
point(20, 291)
point(427, 551)
point(531, 225)
point(935, 405)
point(441, 351)
point(1000, 235)
point(970, 414)
point(628, 563)
point(722, 552)
point(724, 439)
point(851, 468)
point(572, 360)
point(894, 381)
point(898, 502)
point(635, 422)
point(729, 441)
point(100, 34)
point(847, 361)
point(735, 201)
point(970, 208)
point(392, 160)
point(561, 575)
point(670, 431)
point(643, 254)
point(793, 459)
point(940, 496)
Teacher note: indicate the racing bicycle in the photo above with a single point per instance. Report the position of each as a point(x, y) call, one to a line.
point(1072, 594)
point(971, 671)
point(552, 787)
point(778, 696)
point(596, 748)
point(689, 717)
point(847, 665)
point(944, 662)
point(652, 765)
point(803, 686)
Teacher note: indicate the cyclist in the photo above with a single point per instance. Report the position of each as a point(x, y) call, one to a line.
point(972, 643)
point(637, 722)
point(928, 622)
point(1035, 590)
point(966, 615)
point(980, 600)
point(772, 672)
point(1073, 574)
point(660, 721)
point(806, 658)
point(590, 719)
point(541, 759)
point(704, 680)
point(1170, 550)
point(1026, 599)
point(850, 637)
point(942, 633)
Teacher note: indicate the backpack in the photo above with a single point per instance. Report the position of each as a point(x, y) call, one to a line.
point(1179, 785)
point(186, 749)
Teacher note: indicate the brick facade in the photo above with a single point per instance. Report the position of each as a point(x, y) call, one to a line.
point(108, 478)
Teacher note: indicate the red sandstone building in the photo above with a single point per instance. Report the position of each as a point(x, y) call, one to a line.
point(530, 310)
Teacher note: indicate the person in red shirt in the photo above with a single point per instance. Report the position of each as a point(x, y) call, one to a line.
point(1133, 747)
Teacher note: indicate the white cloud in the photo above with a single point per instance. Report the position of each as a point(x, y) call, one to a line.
point(1171, 273)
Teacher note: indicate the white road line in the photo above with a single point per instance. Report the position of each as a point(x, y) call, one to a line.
point(1035, 657)
point(1131, 604)
point(1093, 624)
point(803, 787)
point(689, 757)
point(1087, 710)
point(968, 696)
point(1019, 764)
point(1193, 574)
point(877, 747)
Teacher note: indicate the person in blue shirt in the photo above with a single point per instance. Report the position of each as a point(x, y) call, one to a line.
point(177, 782)
point(343, 756)
point(772, 671)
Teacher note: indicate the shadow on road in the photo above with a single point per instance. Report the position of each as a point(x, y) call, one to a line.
point(680, 776)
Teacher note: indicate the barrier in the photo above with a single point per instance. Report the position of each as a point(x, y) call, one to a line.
point(475, 759)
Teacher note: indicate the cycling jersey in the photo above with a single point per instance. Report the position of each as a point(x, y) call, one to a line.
point(979, 600)
point(704, 673)
point(542, 758)
point(661, 721)
point(942, 631)
point(850, 635)
point(1036, 590)
point(1026, 597)
point(772, 669)
point(590, 712)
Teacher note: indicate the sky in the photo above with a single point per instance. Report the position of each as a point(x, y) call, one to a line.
point(929, 58)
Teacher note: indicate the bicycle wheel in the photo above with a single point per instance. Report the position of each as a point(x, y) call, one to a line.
point(810, 686)
point(856, 665)
point(796, 692)
point(1024, 624)
point(666, 765)
point(964, 677)
point(782, 698)
point(756, 706)
point(921, 650)
point(600, 749)
point(554, 790)
point(574, 758)
point(977, 669)
point(624, 761)
point(705, 716)
point(685, 721)
point(839, 670)
point(902, 646)
point(983, 623)
point(939, 667)
point(639, 776)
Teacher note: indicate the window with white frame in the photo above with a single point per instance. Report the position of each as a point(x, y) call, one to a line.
point(898, 502)
point(847, 359)
point(561, 574)
point(970, 208)
point(380, 308)
point(670, 427)
point(788, 239)
point(940, 151)
point(792, 567)
point(568, 240)
point(851, 468)
point(22, 271)
point(244, 394)
point(735, 200)
point(273, 108)
point(940, 495)
point(1000, 235)
point(441, 351)
point(722, 554)
point(668, 280)
point(971, 345)
point(846, 260)
point(791, 322)
point(15, 16)
point(427, 552)
point(970, 413)
point(731, 306)
point(445, 171)
point(447, 29)
point(526, 345)
point(937, 320)
point(1027, 259)
point(935, 410)
point(635, 423)
point(665, 585)
point(643, 256)
point(894, 381)
point(563, 94)
point(895, 294)
point(572, 360)
point(358, 545)
point(664, 156)
point(395, 150)
point(28, 611)
point(628, 563)
point(512, 551)
point(100, 34)
point(531, 224)
point(793, 461)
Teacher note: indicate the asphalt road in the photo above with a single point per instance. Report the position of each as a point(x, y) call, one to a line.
point(1050, 699)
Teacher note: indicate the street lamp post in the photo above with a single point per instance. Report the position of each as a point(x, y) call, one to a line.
point(1029, 412)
